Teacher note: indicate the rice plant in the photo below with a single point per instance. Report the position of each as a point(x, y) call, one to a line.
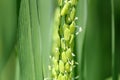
point(59, 39)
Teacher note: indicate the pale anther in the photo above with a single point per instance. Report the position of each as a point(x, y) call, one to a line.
point(73, 54)
point(50, 56)
point(79, 30)
point(76, 18)
point(49, 67)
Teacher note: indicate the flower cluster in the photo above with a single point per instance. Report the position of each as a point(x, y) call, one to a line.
point(63, 40)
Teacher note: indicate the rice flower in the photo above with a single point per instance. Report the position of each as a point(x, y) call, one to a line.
point(63, 40)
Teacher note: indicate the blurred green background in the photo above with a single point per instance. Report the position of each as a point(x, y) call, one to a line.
point(97, 47)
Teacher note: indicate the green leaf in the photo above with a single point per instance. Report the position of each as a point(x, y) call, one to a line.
point(45, 18)
point(26, 58)
point(9, 70)
point(36, 39)
point(79, 39)
point(97, 47)
point(115, 38)
point(8, 27)
point(29, 41)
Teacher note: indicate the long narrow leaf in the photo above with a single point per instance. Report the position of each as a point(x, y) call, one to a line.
point(45, 18)
point(8, 27)
point(82, 20)
point(35, 29)
point(26, 58)
point(97, 47)
point(115, 38)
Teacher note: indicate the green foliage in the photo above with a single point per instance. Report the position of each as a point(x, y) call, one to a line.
point(26, 32)
point(8, 28)
point(29, 42)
